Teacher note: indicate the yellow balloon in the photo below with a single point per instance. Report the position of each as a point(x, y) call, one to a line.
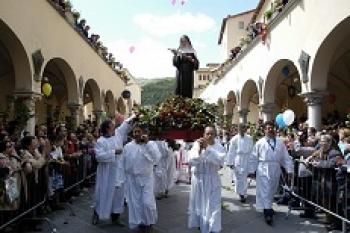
point(47, 89)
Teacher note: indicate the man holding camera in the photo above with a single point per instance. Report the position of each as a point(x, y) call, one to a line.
point(140, 156)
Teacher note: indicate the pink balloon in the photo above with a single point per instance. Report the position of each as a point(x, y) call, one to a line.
point(173, 2)
point(132, 49)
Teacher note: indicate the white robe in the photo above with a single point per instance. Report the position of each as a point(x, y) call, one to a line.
point(267, 162)
point(165, 169)
point(139, 160)
point(205, 196)
point(239, 155)
point(171, 170)
point(109, 189)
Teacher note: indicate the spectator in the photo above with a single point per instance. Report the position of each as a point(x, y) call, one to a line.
point(86, 31)
point(81, 25)
point(325, 157)
point(10, 170)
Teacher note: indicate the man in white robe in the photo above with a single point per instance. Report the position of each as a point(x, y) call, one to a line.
point(206, 158)
point(109, 189)
point(269, 155)
point(171, 171)
point(239, 156)
point(164, 171)
point(140, 156)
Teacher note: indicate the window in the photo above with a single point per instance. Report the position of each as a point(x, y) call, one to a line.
point(200, 77)
point(241, 25)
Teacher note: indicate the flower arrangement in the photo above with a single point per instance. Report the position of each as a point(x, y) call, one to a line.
point(178, 113)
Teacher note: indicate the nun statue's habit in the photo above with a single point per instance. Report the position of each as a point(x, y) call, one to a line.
point(186, 62)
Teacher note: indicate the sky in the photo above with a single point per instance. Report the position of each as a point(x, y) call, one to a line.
point(139, 32)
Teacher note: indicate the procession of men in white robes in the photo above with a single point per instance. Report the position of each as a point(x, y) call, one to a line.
point(146, 168)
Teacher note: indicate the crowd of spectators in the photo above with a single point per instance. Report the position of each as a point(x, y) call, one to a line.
point(94, 39)
point(43, 167)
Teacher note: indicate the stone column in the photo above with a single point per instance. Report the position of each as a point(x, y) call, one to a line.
point(313, 101)
point(266, 111)
point(74, 114)
point(98, 116)
point(29, 100)
point(243, 116)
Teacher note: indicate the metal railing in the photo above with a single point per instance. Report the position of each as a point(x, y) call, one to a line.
point(39, 188)
point(326, 189)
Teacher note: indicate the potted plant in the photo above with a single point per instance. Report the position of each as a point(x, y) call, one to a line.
point(68, 12)
point(248, 40)
point(68, 5)
point(76, 15)
point(268, 14)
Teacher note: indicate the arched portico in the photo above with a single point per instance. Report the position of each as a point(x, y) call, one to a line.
point(249, 101)
point(329, 80)
point(281, 91)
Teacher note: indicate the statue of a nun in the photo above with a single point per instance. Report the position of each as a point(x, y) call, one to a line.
point(185, 60)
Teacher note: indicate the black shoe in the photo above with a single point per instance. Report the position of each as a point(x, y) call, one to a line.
point(307, 214)
point(115, 217)
point(269, 220)
point(243, 198)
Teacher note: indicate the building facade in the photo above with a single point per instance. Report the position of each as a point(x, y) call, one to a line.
point(42, 45)
point(233, 28)
point(202, 78)
point(300, 61)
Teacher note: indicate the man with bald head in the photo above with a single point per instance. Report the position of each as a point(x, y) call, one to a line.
point(206, 158)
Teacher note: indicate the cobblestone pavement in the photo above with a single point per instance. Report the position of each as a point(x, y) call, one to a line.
point(236, 217)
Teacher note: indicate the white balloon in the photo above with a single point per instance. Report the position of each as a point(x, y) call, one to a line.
point(288, 117)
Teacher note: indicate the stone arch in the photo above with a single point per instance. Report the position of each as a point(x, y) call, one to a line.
point(91, 98)
point(110, 104)
point(282, 89)
point(62, 71)
point(65, 93)
point(280, 71)
point(231, 102)
point(330, 72)
point(20, 62)
point(249, 101)
point(249, 93)
point(329, 51)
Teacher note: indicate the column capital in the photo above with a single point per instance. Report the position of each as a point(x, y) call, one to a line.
point(74, 106)
point(267, 107)
point(243, 112)
point(27, 94)
point(313, 98)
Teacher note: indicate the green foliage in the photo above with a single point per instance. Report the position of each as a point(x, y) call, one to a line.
point(156, 91)
point(22, 113)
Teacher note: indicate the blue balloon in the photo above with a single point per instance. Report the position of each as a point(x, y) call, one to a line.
point(279, 121)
